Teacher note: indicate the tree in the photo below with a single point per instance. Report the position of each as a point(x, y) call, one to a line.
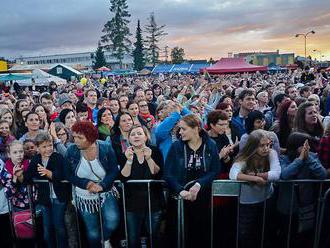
point(211, 61)
point(116, 31)
point(177, 55)
point(139, 61)
point(154, 35)
point(99, 58)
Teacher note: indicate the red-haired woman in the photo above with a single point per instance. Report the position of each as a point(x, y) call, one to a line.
point(93, 169)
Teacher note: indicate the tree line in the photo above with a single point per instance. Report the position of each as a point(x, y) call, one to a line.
point(116, 39)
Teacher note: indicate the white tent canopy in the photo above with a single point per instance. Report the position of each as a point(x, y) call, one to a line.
point(41, 78)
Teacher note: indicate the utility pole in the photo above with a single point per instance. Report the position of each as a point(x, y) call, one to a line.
point(166, 53)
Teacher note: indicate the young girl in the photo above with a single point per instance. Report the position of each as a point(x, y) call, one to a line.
point(16, 193)
point(53, 194)
point(5, 138)
point(256, 163)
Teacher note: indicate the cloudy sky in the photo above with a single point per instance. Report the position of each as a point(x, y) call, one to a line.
point(204, 28)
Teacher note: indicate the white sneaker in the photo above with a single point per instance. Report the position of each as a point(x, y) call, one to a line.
point(107, 244)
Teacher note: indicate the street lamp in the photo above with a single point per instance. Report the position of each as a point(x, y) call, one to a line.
point(305, 37)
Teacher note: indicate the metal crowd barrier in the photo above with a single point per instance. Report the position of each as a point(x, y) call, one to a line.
point(220, 188)
point(229, 188)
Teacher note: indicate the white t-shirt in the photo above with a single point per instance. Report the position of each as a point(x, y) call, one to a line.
point(253, 193)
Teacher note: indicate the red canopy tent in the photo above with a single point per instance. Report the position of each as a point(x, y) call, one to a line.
point(103, 68)
point(232, 65)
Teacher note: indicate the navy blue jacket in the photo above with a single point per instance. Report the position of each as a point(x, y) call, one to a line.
point(107, 159)
point(175, 172)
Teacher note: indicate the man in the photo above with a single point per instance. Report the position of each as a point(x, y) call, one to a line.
point(139, 95)
point(82, 111)
point(46, 100)
point(292, 92)
point(149, 95)
point(65, 102)
point(247, 102)
point(91, 101)
point(305, 91)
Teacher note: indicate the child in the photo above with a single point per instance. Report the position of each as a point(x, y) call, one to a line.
point(5, 138)
point(30, 149)
point(256, 163)
point(53, 194)
point(15, 192)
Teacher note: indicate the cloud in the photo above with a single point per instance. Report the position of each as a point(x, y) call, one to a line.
point(207, 28)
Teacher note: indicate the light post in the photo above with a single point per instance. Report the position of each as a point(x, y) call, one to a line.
point(305, 37)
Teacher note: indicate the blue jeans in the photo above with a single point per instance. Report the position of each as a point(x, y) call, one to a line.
point(110, 214)
point(135, 222)
point(53, 219)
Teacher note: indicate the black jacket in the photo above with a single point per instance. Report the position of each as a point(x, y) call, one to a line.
point(56, 164)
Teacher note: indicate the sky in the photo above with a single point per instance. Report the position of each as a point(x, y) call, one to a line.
point(203, 28)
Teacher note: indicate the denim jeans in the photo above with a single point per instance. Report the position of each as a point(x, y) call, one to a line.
point(53, 219)
point(135, 222)
point(110, 214)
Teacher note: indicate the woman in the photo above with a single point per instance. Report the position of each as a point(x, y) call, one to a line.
point(7, 115)
point(104, 123)
point(254, 121)
point(68, 118)
point(43, 115)
point(119, 138)
point(299, 163)
point(283, 126)
point(193, 159)
point(217, 123)
point(5, 139)
point(143, 163)
point(258, 164)
point(93, 170)
point(61, 137)
point(231, 131)
point(133, 110)
point(32, 122)
point(114, 107)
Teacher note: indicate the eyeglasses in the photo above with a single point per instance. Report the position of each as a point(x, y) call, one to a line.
point(61, 134)
point(143, 106)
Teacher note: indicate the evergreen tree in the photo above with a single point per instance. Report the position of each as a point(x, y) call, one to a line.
point(99, 58)
point(177, 55)
point(116, 31)
point(154, 35)
point(139, 61)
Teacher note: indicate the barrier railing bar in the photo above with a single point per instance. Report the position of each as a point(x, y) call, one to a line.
point(317, 220)
point(290, 217)
point(323, 199)
point(150, 223)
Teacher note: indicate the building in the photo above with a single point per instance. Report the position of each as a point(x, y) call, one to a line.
point(78, 61)
point(267, 58)
point(65, 72)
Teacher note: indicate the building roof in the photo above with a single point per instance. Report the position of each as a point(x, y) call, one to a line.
point(68, 68)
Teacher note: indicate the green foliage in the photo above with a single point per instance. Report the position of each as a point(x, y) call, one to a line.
point(99, 58)
point(138, 53)
point(116, 30)
point(177, 55)
point(154, 34)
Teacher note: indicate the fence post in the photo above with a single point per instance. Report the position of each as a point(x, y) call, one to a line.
point(125, 216)
point(150, 220)
point(321, 216)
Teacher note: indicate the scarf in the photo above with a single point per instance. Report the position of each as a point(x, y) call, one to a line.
point(103, 129)
point(10, 165)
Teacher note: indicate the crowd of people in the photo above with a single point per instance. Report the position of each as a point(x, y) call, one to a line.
point(62, 149)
